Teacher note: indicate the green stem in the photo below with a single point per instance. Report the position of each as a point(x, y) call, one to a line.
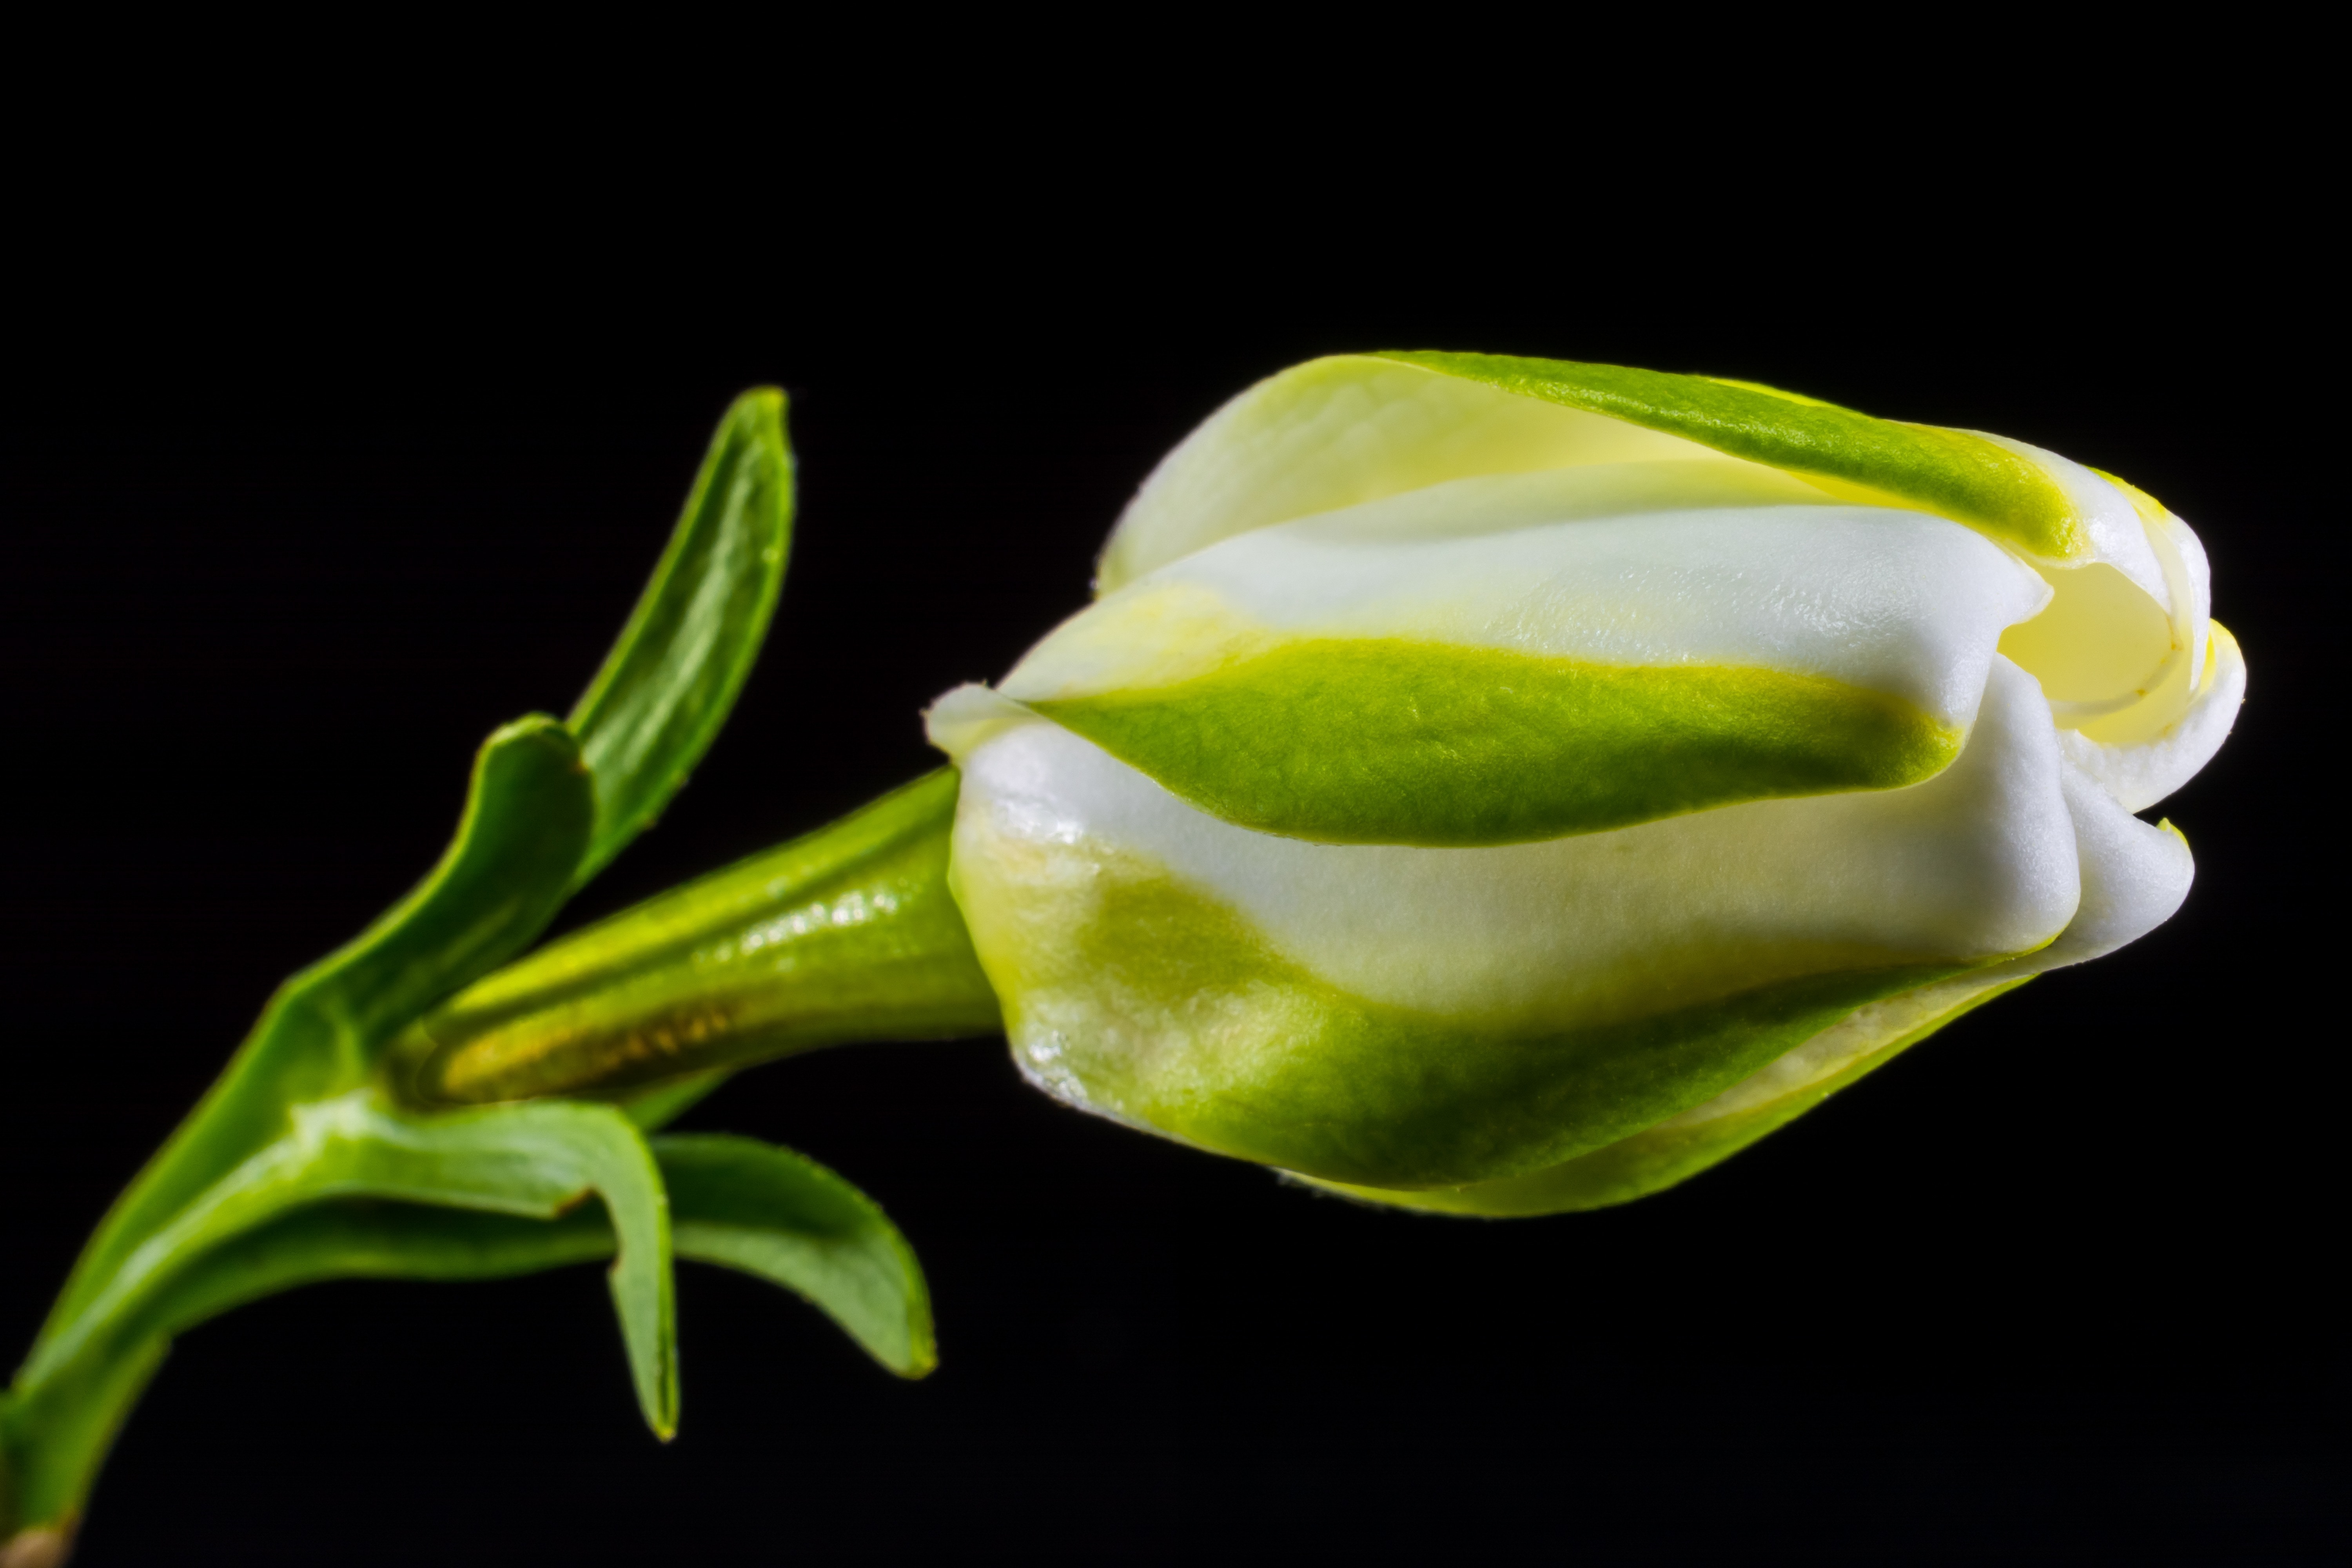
point(846, 935)
point(56, 1437)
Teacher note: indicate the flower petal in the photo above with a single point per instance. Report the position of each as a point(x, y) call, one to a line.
point(2134, 878)
point(1514, 658)
point(1162, 966)
point(2140, 775)
point(1348, 428)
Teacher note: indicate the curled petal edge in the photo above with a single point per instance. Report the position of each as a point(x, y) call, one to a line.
point(2134, 878)
point(2140, 776)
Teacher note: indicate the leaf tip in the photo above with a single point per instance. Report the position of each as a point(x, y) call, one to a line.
point(762, 407)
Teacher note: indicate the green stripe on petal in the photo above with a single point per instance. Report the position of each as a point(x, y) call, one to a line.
point(1954, 472)
point(1385, 740)
point(1666, 1155)
point(1165, 1008)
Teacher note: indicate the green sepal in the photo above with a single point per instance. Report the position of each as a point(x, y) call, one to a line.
point(1955, 473)
point(671, 679)
point(847, 934)
point(508, 870)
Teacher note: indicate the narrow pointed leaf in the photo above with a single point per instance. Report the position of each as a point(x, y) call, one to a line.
point(737, 1203)
point(672, 677)
point(527, 815)
point(767, 1211)
point(526, 820)
point(374, 1239)
point(538, 1160)
point(747, 1206)
point(75, 1414)
point(734, 1202)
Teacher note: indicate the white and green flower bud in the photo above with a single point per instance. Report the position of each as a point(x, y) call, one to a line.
point(1507, 785)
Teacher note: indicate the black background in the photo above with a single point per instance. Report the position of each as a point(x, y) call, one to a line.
point(289, 524)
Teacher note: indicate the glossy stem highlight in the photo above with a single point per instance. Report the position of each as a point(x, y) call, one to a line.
point(846, 935)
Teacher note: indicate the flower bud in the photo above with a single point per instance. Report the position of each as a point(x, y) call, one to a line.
point(1509, 785)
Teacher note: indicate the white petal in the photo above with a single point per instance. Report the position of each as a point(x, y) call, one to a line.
point(2190, 582)
point(1976, 862)
point(2103, 646)
point(1349, 428)
point(1610, 563)
point(960, 721)
point(2134, 878)
point(2121, 649)
point(2118, 537)
point(2140, 776)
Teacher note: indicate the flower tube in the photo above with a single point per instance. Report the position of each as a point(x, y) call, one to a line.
point(1505, 786)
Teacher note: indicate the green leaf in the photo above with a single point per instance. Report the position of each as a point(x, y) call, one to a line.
point(537, 1160)
point(767, 1211)
point(298, 1116)
point(526, 820)
point(667, 685)
point(372, 1238)
point(288, 1218)
point(59, 1431)
point(528, 812)
point(1955, 472)
point(735, 1203)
